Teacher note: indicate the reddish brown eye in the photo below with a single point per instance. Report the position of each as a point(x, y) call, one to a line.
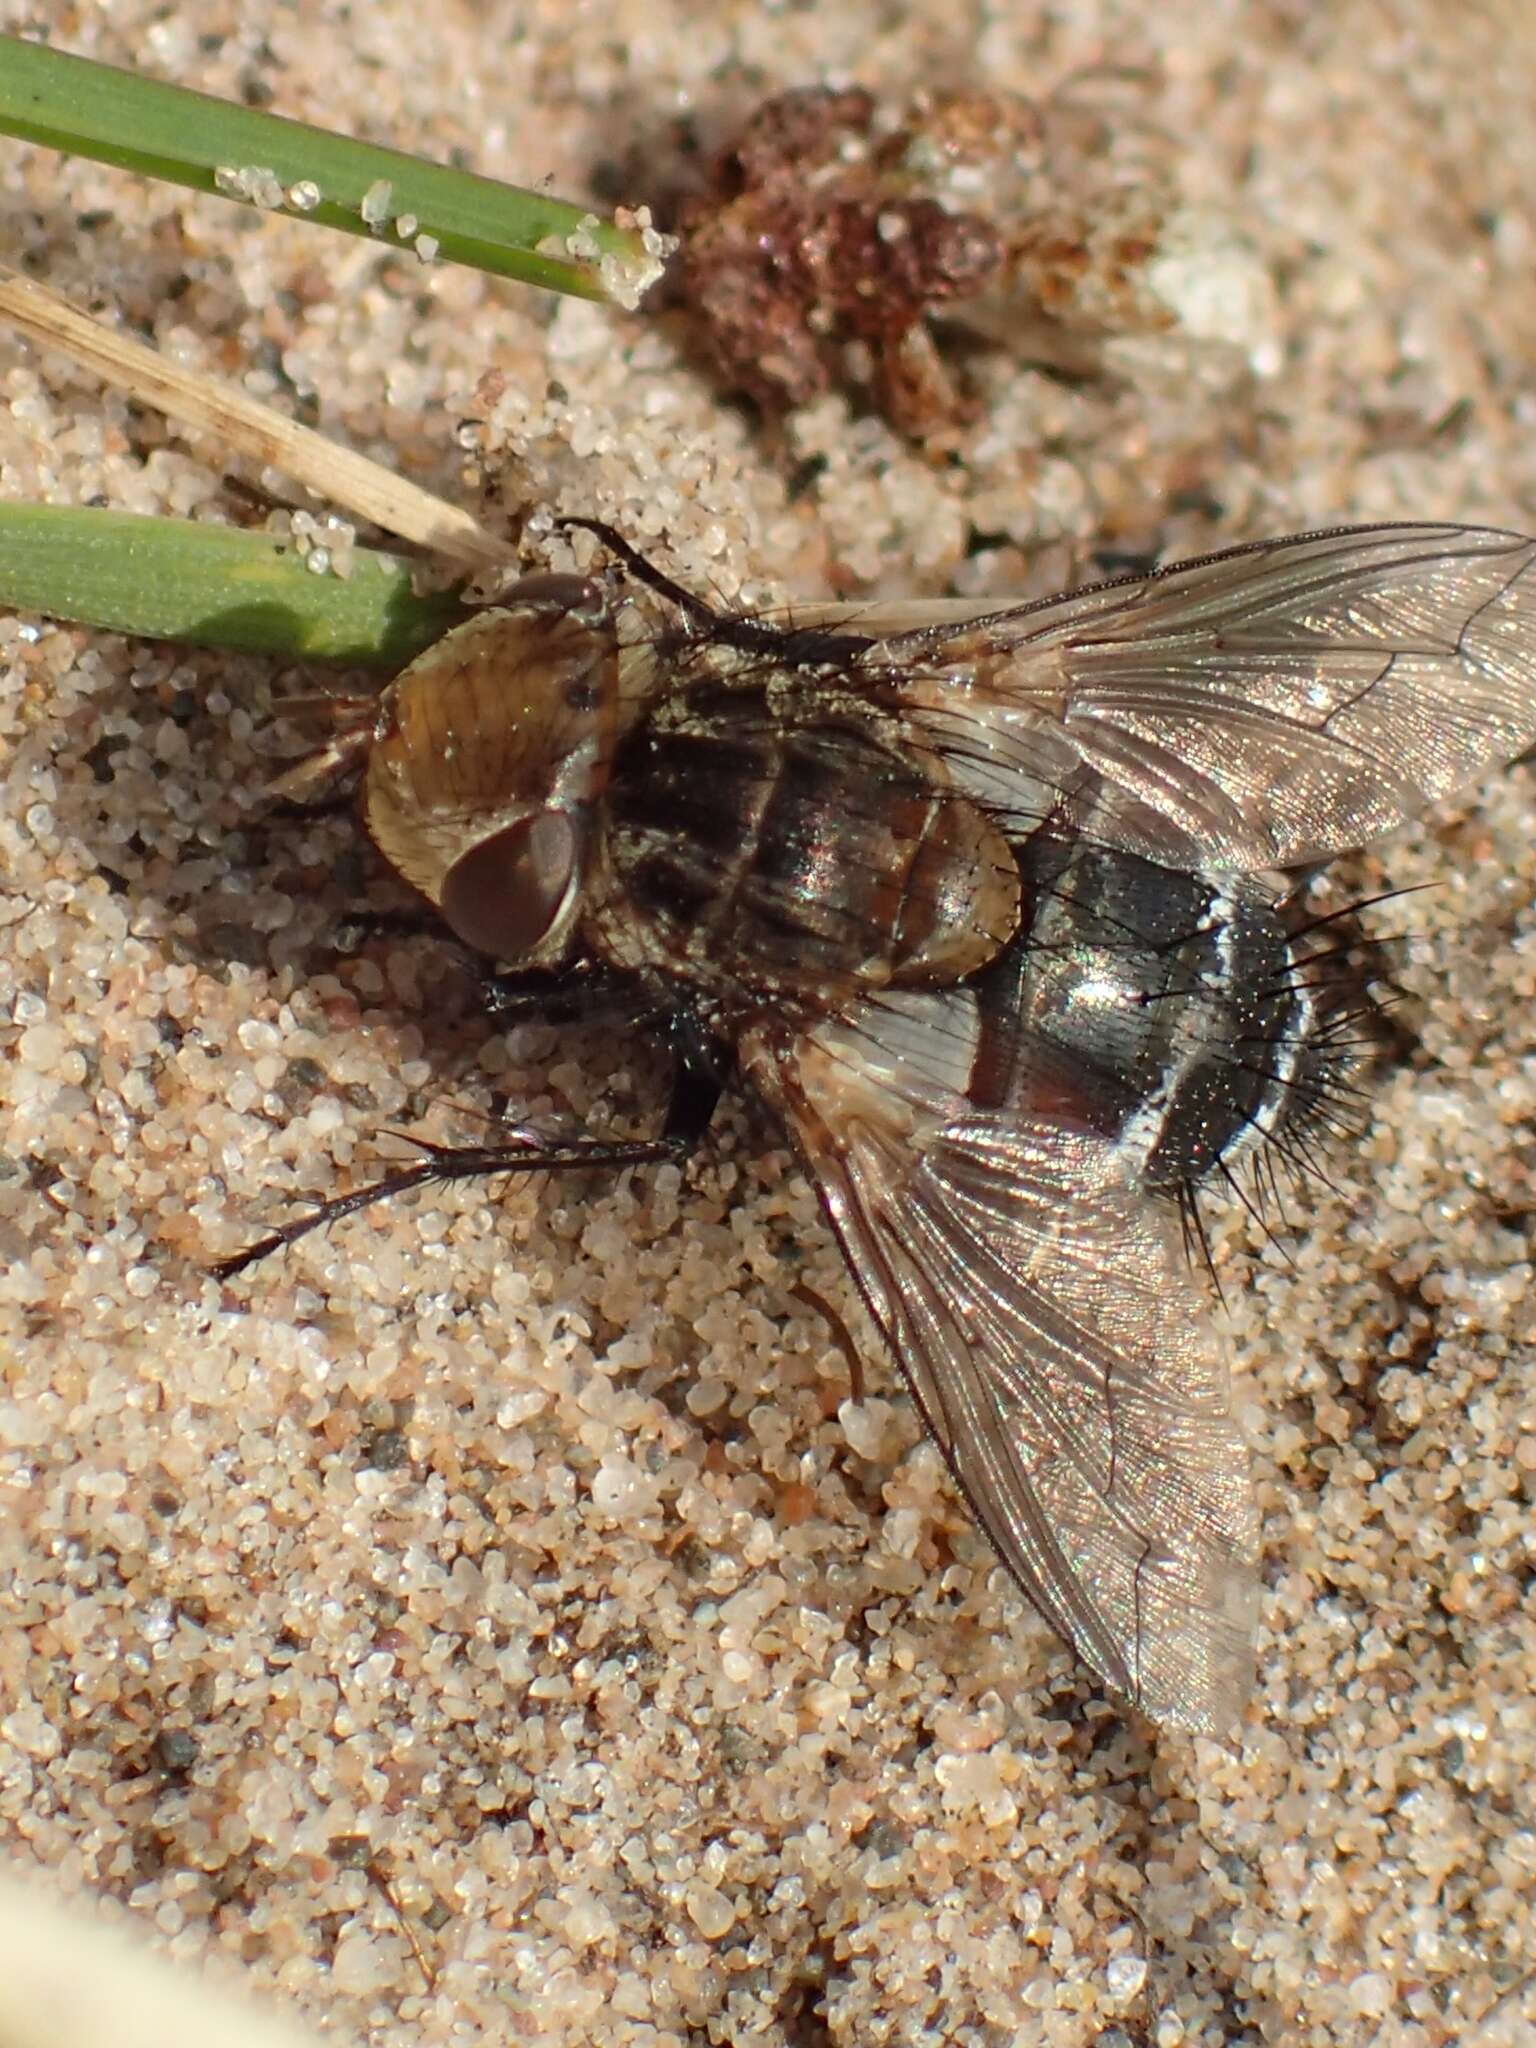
point(505, 896)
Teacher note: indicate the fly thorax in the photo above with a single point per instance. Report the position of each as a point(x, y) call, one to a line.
point(810, 860)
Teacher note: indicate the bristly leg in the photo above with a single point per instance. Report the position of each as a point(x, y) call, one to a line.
point(793, 647)
point(698, 1078)
point(566, 995)
point(839, 1332)
point(688, 602)
point(445, 1164)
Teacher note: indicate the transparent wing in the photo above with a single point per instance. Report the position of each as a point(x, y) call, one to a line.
point(1261, 708)
point(1050, 1333)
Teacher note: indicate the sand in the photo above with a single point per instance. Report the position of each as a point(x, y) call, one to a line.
point(482, 1624)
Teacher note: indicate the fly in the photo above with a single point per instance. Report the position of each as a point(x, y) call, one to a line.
point(997, 907)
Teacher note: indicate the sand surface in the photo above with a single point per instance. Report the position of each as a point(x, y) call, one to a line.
point(481, 1625)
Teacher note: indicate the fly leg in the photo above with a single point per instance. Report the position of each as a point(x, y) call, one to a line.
point(795, 647)
point(562, 995)
point(703, 616)
point(698, 1076)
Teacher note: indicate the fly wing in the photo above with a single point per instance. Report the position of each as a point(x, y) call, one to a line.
point(1265, 707)
point(1050, 1333)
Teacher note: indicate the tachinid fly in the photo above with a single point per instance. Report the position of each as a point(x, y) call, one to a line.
point(998, 907)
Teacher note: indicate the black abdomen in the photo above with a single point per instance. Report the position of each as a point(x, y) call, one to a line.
point(1161, 1008)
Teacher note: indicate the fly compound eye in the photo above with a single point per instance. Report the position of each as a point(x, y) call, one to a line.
point(512, 895)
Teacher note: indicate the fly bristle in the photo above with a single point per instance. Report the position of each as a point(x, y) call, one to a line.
point(1324, 1104)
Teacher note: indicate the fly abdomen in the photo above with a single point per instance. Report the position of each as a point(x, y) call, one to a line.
point(755, 857)
point(1164, 1009)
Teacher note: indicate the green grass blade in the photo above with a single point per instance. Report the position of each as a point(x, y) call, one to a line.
point(212, 586)
point(166, 131)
